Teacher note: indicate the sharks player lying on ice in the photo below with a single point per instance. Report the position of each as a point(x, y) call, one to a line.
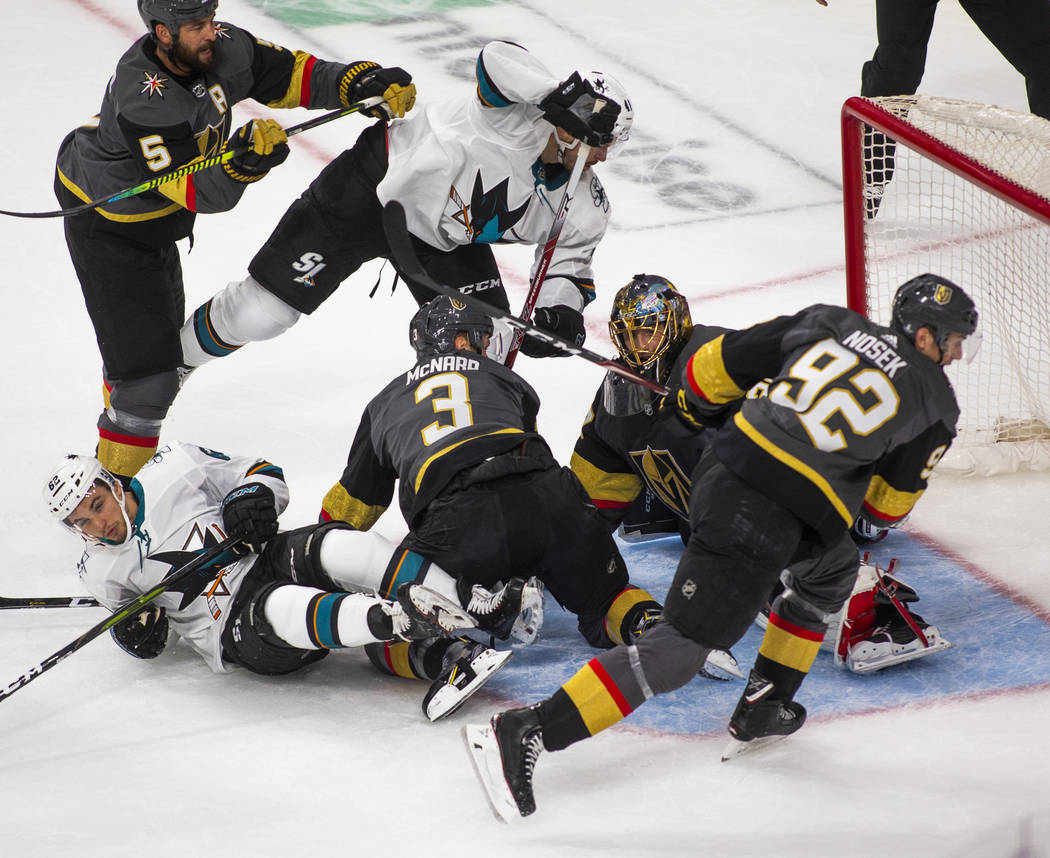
point(469, 172)
point(275, 603)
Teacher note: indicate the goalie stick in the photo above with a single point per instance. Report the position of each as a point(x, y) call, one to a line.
point(126, 610)
point(409, 266)
point(197, 166)
point(8, 602)
point(552, 242)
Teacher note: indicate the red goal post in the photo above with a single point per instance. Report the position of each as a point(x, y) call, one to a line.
point(961, 190)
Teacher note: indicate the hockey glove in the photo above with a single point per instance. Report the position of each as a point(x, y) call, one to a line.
point(696, 412)
point(267, 147)
point(571, 107)
point(143, 635)
point(250, 513)
point(560, 319)
point(370, 80)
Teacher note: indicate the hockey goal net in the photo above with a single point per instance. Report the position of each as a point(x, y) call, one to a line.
point(961, 190)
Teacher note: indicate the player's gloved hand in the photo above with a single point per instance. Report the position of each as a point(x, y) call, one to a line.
point(143, 635)
point(560, 319)
point(696, 412)
point(267, 146)
point(365, 80)
point(571, 107)
point(250, 513)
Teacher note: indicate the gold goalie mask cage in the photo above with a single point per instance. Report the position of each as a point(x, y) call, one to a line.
point(649, 323)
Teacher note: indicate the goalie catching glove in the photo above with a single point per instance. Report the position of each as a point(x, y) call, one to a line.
point(267, 146)
point(143, 635)
point(250, 513)
point(572, 107)
point(366, 80)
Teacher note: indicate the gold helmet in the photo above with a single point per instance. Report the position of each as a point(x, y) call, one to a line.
point(649, 324)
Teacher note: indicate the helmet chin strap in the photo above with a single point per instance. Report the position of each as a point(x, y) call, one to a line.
point(564, 146)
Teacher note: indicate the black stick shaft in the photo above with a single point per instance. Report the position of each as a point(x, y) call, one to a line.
point(10, 602)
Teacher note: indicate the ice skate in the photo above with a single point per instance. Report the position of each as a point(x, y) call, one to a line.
point(760, 719)
point(504, 754)
point(895, 642)
point(514, 610)
point(421, 613)
point(469, 665)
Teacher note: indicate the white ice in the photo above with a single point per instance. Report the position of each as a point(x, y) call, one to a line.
point(105, 755)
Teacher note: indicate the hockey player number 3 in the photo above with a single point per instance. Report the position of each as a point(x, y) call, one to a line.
point(456, 403)
point(818, 369)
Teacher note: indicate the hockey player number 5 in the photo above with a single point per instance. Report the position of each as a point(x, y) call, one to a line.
point(456, 403)
point(821, 365)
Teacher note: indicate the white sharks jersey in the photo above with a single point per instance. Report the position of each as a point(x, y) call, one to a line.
point(468, 171)
point(180, 491)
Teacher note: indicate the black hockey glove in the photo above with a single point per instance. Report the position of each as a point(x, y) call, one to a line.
point(696, 412)
point(560, 319)
point(250, 513)
point(571, 107)
point(268, 147)
point(143, 635)
point(370, 80)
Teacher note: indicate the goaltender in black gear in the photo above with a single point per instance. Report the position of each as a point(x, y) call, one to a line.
point(856, 416)
point(168, 104)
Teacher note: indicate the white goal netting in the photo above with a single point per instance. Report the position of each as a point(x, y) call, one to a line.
point(961, 190)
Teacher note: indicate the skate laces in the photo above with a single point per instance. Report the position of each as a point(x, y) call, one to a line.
point(400, 620)
point(532, 747)
point(484, 602)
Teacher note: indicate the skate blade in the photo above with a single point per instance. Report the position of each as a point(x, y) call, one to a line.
point(440, 610)
point(488, 766)
point(449, 698)
point(527, 626)
point(735, 748)
point(720, 665)
point(858, 666)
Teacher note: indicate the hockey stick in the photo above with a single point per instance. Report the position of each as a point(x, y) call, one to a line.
point(126, 610)
point(409, 266)
point(197, 166)
point(548, 248)
point(7, 602)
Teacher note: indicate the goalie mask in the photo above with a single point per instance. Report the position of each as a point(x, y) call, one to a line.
point(934, 302)
point(174, 13)
point(649, 324)
point(434, 327)
point(74, 479)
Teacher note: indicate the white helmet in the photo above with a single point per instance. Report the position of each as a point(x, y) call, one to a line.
point(609, 87)
point(69, 483)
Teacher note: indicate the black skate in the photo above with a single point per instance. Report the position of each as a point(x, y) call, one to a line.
point(504, 753)
point(513, 610)
point(467, 666)
point(760, 719)
point(421, 613)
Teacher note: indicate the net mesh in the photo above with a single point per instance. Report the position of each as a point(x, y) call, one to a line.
point(923, 217)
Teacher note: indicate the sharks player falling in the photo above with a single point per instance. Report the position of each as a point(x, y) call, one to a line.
point(273, 604)
point(469, 172)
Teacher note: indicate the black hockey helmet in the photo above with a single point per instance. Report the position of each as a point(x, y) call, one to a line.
point(434, 327)
point(650, 323)
point(173, 13)
point(934, 302)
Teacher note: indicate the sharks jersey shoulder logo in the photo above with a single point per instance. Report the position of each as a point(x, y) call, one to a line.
point(488, 215)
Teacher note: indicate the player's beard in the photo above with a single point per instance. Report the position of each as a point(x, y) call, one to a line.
point(193, 60)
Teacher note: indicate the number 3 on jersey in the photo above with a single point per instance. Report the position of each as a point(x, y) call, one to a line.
point(455, 403)
point(817, 369)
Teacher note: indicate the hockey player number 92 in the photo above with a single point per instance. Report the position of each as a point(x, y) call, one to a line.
point(821, 365)
point(456, 403)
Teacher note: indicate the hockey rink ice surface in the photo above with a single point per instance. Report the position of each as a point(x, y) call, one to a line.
point(731, 187)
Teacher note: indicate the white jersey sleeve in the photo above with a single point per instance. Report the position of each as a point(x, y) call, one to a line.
point(180, 491)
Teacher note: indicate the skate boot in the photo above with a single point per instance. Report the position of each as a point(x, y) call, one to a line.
point(760, 718)
point(466, 667)
point(504, 753)
point(422, 613)
point(514, 610)
point(894, 641)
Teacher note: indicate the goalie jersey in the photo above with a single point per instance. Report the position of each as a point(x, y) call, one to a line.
point(180, 491)
point(446, 414)
point(469, 171)
point(855, 418)
point(152, 122)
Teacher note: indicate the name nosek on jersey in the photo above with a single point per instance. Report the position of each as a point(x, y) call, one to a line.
point(442, 363)
point(877, 350)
